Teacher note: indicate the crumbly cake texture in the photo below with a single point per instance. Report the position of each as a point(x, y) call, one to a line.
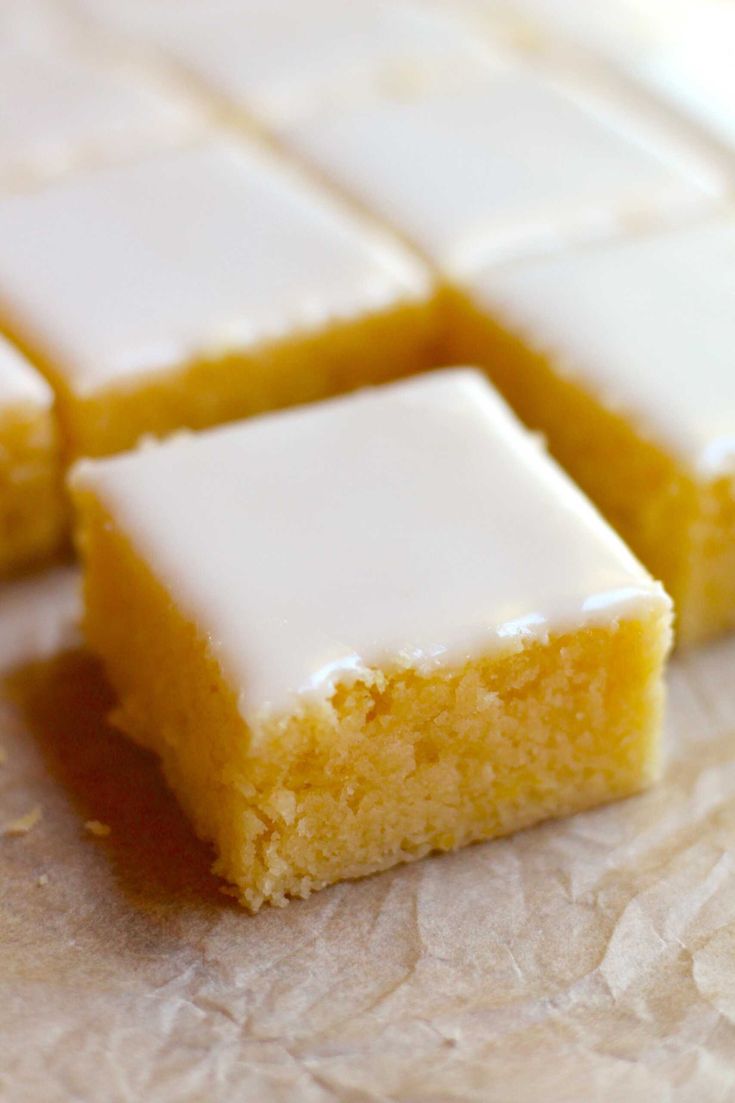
point(370, 629)
point(495, 164)
point(199, 285)
point(622, 355)
point(31, 501)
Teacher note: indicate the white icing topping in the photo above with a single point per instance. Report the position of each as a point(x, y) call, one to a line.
point(146, 17)
point(679, 50)
point(647, 325)
point(500, 164)
point(35, 23)
point(70, 108)
point(20, 384)
point(692, 67)
point(413, 525)
point(139, 269)
point(603, 26)
point(273, 57)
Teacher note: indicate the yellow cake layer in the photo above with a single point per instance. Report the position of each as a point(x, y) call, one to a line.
point(32, 511)
point(384, 772)
point(299, 368)
point(681, 527)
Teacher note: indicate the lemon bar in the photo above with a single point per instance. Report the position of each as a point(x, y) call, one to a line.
point(499, 163)
point(199, 285)
point(368, 629)
point(31, 510)
point(622, 353)
point(73, 107)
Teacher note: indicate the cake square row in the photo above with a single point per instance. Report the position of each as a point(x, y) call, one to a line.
point(214, 281)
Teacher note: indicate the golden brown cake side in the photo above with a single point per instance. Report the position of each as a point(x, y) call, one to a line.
point(302, 367)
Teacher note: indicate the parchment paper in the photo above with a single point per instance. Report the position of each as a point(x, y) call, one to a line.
point(591, 959)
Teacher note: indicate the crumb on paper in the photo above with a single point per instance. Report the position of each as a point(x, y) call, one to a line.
point(42, 880)
point(98, 829)
point(24, 823)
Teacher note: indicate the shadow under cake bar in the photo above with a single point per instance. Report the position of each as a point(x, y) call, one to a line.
point(368, 629)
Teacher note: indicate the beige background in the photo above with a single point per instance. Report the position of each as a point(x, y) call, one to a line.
point(592, 959)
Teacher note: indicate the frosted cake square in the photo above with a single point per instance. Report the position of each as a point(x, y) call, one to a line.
point(31, 508)
point(490, 164)
point(199, 285)
point(622, 354)
point(369, 629)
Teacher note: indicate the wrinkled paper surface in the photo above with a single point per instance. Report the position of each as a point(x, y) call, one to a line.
point(591, 959)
